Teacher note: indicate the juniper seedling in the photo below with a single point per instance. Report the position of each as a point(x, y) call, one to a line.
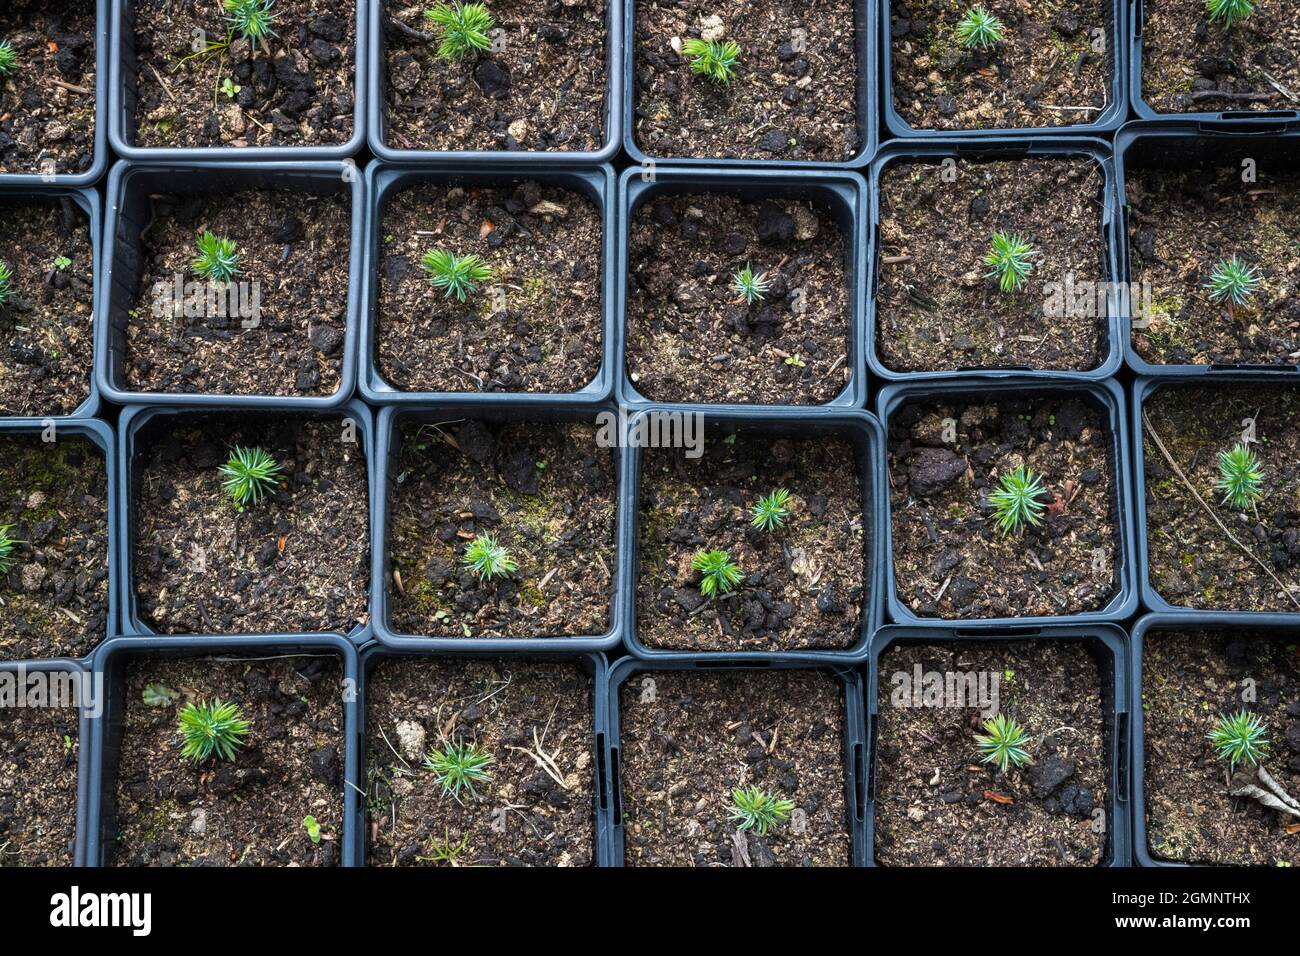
point(250, 474)
point(217, 260)
point(1017, 500)
point(771, 510)
point(8, 59)
point(1233, 281)
point(979, 29)
point(252, 19)
point(208, 729)
point(1241, 477)
point(462, 28)
point(753, 288)
point(718, 573)
point(1008, 261)
point(1003, 742)
point(459, 767)
point(488, 559)
point(1229, 11)
point(1240, 738)
point(755, 809)
point(8, 550)
point(712, 58)
point(456, 275)
point(6, 282)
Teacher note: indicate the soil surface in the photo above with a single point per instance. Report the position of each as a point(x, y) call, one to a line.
point(1180, 226)
point(690, 335)
point(1053, 67)
point(937, 805)
point(38, 785)
point(47, 105)
point(298, 560)
point(950, 558)
point(793, 95)
point(46, 337)
point(804, 583)
point(293, 248)
point(536, 720)
point(537, 328)
point(245, 812)
point(541, 87)
point(1188, 681)
point(54, 601)
point(1192, 563)
point(545, 492)
point(298, 91)
point(1191, 65)
point(690, 738)
point(936, 308)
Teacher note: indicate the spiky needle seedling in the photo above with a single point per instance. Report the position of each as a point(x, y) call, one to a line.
point(250, 474)
point(252, 19)
point(1229, 11)
point(6, 282)
point(462, 28)
point(1233, 281)
point(217, 261)
point(8, 549)
point(488, 559)
point(979, 29)
point(1003, 742)
point(1240, 738)
point(8, 59)
point(208, 729)
point(1017, 501)
point(718, 573)
point(1008, 261)
point(753, 287)
point(459, 766)
point(755, 809)
point(456, 275)
point(1241, 477)
point(771, 510)
point(714, 59)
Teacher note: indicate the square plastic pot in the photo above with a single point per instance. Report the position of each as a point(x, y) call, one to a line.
point(122, 98)
point(863, 432)
point(865, 36)
point(383, 182)
point(934, 151)
point(593, 663)
point(105, 731)
point(130, 213)
point(1107, 645)
point(387, 452)
point(377, 113)
point(1111, 118)
point(1106, 397)
point(842, 193)
point(1180, 145)
point(135, 428)
point(853, 726)
point(88, 201)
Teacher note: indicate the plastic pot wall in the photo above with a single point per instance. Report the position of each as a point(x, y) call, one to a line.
point(1108, 646)
point(130, 213)
point(932, 151)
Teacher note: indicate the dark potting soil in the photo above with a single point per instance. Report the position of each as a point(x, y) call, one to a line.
point(541, 87)
point(545, 492)
point(1053, 67)
point(805, 582)
point(1192, 563)
point(293, 249)
point(937, 805)
point(536, 721)
point(937, 309)
point(1181, 225)
point(793, 95)
point(47, 104)
point(297, 91)
point(46, 338)
point(244, 812)
point(1188, 681)
point(298, 560)
point(54, 600)
point(537, 327)
point(38, 785)
point(690, 335)
point(1191, 65)
point(950, 558)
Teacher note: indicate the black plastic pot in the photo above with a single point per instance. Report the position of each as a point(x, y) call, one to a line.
point(1110, 119)
point(842, 193)
point(865, 35)
point(120, 114)
point(88, 201)
point(387, 451)
point(1107, 645)
point(105, 731)
point(377, 115)
point(854, 729)
point(383, 182)
point(1106, 396)
point(906, 151)
point(594, 664)
point(133, 432)
point(863, 431)
point(129, 214)
point(1179, 145)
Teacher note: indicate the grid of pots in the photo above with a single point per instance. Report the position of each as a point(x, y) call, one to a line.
point(353, 674)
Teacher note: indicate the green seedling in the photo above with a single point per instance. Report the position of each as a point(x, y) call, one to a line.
point(1241, 477)
point(252, 19)
point(1240, 738)
point(979, 29)
point(714, 59)
point(753, 288)
point(771, 511)
point(249, 474)
point(462, 28)
point(211, 729)
point(8, 550)
point(230, 87)
point(458, 767)
point(6, 283)
point(1233, 282)
point(1003, 743)
point(217, 260)
point(456, 275)
point(8, 59)
point(758, 810)
point(488, 559)
point(1008, 261)
point(312, 827)
point(1017, 501)
point(62, 262)
point(1229, 12)
point(718, 573)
